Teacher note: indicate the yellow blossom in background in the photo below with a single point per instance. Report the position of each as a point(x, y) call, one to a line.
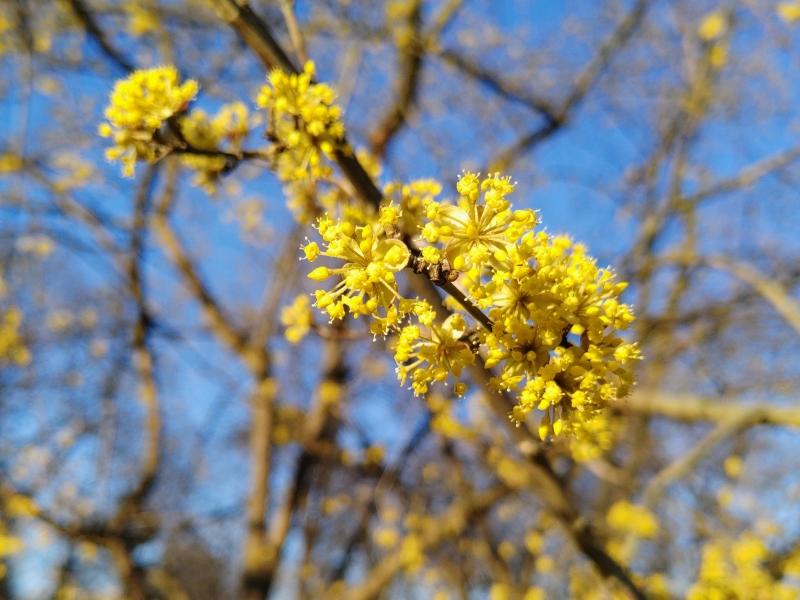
point(374, 454)
point(733, 466)
point(142, 19)
point(12, 345)
point(10, 163)
point(412, 553)
point(138, 107)
point(632, 519)
point(713, 26)
point(545, 564)
point(386, 537)
point(297, 318)
point(18, 505)
point(225, 131)
point(789, 11)
point(500, 591)
point(304, 123)
point(534, 542)
point(738, 569)
point(330, 393)
point(39, 245)
point(534, 593)
point(9, 544)
point(442, 420)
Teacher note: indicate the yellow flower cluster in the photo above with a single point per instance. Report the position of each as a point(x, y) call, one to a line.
point(555, 313)
point(426, 355)
point(713, 30)
point(552, 315)
point(138, 107)
point(556, 317)
point(738, 570)
point(142, 19)
point(12, 345)
point(304, 123)
point(225, 130)
point(481, 228)
point(789, 11)
point(413, 197)
point(9, 544)
point(297, 319)
point(633, 519)
point(370, 258)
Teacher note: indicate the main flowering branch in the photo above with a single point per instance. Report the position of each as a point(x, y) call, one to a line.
point(549, 317)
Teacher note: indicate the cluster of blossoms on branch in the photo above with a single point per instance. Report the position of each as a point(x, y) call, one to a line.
point(533, 308)
point(148, 117)
point(739, 568)
point(303, 122)
point(138, 107)
point(13, 349)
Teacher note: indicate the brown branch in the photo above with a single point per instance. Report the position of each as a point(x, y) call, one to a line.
point(258, 554)
point(142, 353)
point(503, 88)
point(406, 85)
point(283, 276)
point(772, 291)
point(317, 425)
point(691, 408)
point(295, 33)
point(732, 424)
point(448, 525)
point(584, 82)
point(467, 305)
point(219, 323)
point(255, 33)
point(91, 26)
point(747, 176)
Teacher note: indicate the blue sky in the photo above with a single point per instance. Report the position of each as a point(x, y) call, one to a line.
point(573, 180)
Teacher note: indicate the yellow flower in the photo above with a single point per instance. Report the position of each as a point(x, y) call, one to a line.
point(21, 506)
point(9, 163)
point(554, 340)
point(713, 26)
point(733, 466)
point(789, 11)
point(472, 232)
point(413, 198)
point(304, 122)
point(633, 519)
point(738, 569)
point(297, 318)
point(432, 354)
point(370, 261)
point(12, 344)
point(222, 133)
point(138, 107)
